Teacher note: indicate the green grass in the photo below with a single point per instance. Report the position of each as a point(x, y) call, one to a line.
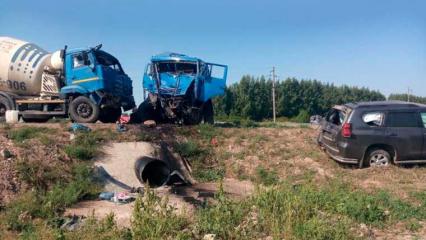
point(266, 177)
point(190, 149)
point(205, 168)
point(86, 145)
point(49, 204)
point(19, 135)
point(153, 218)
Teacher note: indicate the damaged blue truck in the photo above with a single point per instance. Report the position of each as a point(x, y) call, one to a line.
point(180, 89)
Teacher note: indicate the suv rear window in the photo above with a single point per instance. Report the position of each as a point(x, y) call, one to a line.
point(424, 118)
point(403, 119)
point(336, 117)
point(373, 118)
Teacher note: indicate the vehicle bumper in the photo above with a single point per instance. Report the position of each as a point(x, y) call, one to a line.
point(335, 154)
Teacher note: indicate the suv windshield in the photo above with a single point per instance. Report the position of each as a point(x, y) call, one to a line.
point(176, 68)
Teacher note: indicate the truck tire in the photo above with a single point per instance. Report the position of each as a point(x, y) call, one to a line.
point(208, 113)
point(110, 115)
point(83, 110)
point(4, 106)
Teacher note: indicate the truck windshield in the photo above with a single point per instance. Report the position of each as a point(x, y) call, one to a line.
point(107, 60)
point(177, 68)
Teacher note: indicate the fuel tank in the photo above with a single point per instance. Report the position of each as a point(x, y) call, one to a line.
point(22, 64)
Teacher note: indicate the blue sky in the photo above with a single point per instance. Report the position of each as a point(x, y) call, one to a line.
point(376, 44)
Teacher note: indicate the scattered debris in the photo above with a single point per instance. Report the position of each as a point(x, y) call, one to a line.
point(5, 154)
point(150, 123)
point(121, 127)
point(315, 119)
point(209, 237)
point(124, 119)
point(77, 127)
point(72, 223)
point(214, 141)
point(106, 195)
point(121, 197)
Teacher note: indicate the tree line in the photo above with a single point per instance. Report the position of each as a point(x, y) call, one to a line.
point(295, 99)
point(404, 97)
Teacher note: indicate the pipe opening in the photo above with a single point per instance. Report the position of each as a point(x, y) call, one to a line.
point(152, 171)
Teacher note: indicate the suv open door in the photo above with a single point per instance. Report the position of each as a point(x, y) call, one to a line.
point(331, 126)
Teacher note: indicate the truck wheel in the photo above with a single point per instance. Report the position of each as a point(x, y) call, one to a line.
point(377, 158)
point(110, 115)
point(4, 106)
point(83, 110)
point(208, 113)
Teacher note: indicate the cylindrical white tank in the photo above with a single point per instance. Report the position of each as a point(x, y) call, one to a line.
point(22, 64)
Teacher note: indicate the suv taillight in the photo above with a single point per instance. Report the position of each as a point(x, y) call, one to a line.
point(347, 130)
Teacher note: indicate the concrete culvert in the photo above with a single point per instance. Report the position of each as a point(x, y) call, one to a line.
point(152, 171)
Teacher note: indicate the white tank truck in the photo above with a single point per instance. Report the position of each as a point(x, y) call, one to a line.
point(85, 84)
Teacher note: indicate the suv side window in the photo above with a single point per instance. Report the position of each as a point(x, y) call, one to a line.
point(374, 119)
point(403, 119)
point(423, 114)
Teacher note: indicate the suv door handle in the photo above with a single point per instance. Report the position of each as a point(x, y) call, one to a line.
point(392, 135)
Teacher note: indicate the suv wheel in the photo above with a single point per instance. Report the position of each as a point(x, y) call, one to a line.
point(378, 158)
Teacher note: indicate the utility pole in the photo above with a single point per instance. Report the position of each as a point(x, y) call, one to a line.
point(408, 94)
point(273, 94)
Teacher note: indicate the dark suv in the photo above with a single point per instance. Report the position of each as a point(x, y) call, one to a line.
point(375, 133)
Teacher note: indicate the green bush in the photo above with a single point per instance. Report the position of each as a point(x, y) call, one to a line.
point(64, 195)
point(190, 149)
point(49, 204)
point(222, 218)
point(302, 117)
point(207, 175)
point(99, 229)
point(153, 218)
point(38, 174)
point(266, 177)
point(86, 145)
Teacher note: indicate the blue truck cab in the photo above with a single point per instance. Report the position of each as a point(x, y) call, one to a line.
point(180, 88)
point(95, 85)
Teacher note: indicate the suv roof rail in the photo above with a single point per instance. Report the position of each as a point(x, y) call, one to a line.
point(385, 104)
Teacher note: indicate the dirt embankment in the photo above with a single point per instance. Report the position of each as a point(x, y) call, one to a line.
point(247, 156)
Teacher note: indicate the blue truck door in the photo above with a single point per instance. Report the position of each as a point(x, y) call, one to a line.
point(215, 82)
point(82, 71)
point(148, 82)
